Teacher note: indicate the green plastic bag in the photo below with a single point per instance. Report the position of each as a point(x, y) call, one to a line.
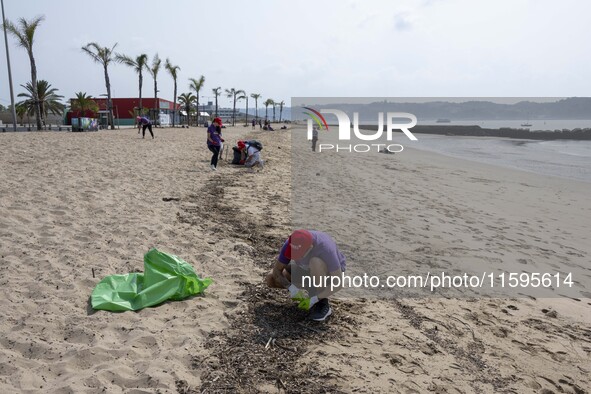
point(165, 277)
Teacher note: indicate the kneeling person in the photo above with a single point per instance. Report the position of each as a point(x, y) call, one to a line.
point(253, 154)
point(314, 255)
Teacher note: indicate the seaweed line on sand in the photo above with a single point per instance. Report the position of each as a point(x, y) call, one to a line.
point(264, 347)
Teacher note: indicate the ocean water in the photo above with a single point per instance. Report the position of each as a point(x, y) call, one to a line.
point(542, 125)
point(562, 158)
point(536, 125)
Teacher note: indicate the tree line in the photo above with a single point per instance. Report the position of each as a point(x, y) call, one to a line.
point(41, 98)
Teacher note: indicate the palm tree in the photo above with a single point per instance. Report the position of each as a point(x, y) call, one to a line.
point(256, 97)
point(24, 32)
point(83, 103)
point(196, 85)
point(21, 111)
point(246, 97)
point(216, 91)
point(233, 94)
point(156, 62)
point(281, 104)
point(138, 64)
point(241, 97)
point(273, 104)
point(267, 103)
point(46, 98)
point(172, 70)
point(186, 100)
point(103, 56)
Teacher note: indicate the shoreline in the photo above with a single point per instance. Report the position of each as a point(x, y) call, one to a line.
point(498, 165)
point(499, 162)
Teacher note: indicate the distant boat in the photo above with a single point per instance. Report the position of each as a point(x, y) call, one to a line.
point(443, 121)
point(526, 124)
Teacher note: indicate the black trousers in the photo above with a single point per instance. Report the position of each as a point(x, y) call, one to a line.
point(149, 127)
point(314, 140)
point(216, 153)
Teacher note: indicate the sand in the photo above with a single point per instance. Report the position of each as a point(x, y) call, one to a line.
point(73, 202)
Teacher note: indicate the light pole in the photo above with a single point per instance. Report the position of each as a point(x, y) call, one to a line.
point(9, 71)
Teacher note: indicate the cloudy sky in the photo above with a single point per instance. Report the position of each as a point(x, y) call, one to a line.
point(315, 48)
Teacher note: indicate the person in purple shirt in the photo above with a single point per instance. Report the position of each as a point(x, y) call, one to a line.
point(214, 141)
point(144, 123)
point(308, 253)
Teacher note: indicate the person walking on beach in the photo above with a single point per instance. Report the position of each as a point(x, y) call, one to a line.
point(215, 141)
point(253, 123)
point(308, 254)
point(144, 123)
point(314, 138)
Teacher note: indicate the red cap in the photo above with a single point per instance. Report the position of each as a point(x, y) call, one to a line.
point(298, 244)
point(241, 145)
point(218, 121)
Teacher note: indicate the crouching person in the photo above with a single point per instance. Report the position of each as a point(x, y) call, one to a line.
point(306, 262)
point(252, 149)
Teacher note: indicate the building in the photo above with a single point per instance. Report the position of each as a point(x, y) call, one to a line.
point(126, 109)
point(208, 110)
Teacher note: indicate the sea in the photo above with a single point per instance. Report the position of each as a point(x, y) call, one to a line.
point(562, 158)
point(536, 125)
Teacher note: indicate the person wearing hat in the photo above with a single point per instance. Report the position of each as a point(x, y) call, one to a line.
point(214, 141)
point(307, 253)
point(144, 123)
point(252, 153)
point(241, 145)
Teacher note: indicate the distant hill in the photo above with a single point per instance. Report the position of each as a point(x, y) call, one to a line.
point(569, 108)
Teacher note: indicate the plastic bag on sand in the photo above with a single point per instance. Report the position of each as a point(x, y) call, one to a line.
point(165, 277)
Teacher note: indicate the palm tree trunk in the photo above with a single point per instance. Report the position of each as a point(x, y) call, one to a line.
point(216, 105)
point(198, 111)
point(234, 111)
point(174, 105)
point(280, 113)
point(109, 102)
point(247, 110)
point(140, 83)
point(35, 92)
point(156, 104)
point(256, 109)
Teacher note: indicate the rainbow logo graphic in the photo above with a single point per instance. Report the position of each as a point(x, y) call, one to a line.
point(317, 117)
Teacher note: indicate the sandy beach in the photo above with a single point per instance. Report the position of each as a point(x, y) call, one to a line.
point(74, 203)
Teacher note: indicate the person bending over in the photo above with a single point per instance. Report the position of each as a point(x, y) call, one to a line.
point(307, 260)
point(253, 154)
point(144, 123)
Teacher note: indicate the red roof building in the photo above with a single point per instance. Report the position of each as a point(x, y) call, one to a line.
point(126, 109)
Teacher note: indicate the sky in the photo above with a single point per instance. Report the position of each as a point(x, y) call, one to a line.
point(329, 48)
